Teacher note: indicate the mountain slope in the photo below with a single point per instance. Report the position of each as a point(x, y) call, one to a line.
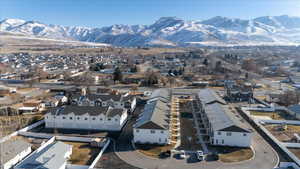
point(171, 31)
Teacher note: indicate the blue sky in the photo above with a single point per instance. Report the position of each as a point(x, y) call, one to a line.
point(96, 13)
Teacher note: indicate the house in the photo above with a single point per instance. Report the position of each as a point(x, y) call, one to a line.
point(30, 107)
point(86, 118)
point(294, 79)
point(224, 127)
point(52, 156)
point(12, 152)
point(103, 100)
point(294, 110)
point(152, 126)
point(238, 92)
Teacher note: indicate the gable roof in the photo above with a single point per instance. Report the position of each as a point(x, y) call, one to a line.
point(162, 94)
point(222, 119)
point(208, 96)
point(295, 108)
point(154, 116)
point(91, 110)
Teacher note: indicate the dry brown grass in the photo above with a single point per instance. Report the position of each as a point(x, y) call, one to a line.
point(153, 150)
point(272, 115)
point(236, 155)
point(82, 153)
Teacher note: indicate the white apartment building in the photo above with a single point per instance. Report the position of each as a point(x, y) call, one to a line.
point(152, 126)
point(87, 118)
point(103, 100)
point(224, 127)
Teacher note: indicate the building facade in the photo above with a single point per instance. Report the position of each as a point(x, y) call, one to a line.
point(224, 127)
point(152, 126)
point(87, 118)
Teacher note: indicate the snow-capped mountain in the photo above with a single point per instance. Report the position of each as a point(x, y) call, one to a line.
point(172, 31)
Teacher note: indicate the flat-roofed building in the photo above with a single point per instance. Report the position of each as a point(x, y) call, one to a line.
point(52, 156)
point(12, 152)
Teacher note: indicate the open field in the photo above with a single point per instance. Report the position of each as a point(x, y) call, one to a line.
point(82, 153)
point(10, 124)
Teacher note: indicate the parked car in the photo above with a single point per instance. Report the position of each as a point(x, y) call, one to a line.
point(182, 154)
point(165, 154)
point(200, 155)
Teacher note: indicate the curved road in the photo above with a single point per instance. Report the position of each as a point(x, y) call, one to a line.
point(265, 157)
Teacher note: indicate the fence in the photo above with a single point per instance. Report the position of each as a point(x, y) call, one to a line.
point(22, 130)
point(99, 155)
point(269, 137)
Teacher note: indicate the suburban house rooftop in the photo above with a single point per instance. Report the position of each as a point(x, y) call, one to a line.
point(162, 94)
point(223, 119)
point(154, 116)
point(92, 111)
point(208, 96)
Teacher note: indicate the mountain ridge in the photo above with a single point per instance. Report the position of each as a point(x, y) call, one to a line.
point(172, 31)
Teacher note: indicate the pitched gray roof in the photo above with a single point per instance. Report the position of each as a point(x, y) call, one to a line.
point(163, 94)
point(221, 118)
point(91, 110)
point(154, 116)
point(208, 96)
point(11, 149)
point(79, 110)
point(295, 108)
point(51, 157)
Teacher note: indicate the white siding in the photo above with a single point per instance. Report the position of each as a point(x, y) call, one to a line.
point(85, 121)
point(145, 136)
point(235, 139)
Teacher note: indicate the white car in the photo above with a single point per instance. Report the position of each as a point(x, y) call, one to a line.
point(182, 154)
point(200, 155)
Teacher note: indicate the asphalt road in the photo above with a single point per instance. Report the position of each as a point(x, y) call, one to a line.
point(265, 157)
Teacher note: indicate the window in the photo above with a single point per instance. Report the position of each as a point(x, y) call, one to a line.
point(159, 140)
point(63, 117)
point(228, 134)
point(222, 141)
point(137, 130)
point(217, 141)
point(166, 140)
point(116, 119)
point(94, 118)
point(219, 133)
point(85, 118)
point(244, 134)
point(152, 131)
point(78, 118)
point(71, 118)
point(161, 132)
point(109, 119)
point(47, 117)
point(101, 119)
